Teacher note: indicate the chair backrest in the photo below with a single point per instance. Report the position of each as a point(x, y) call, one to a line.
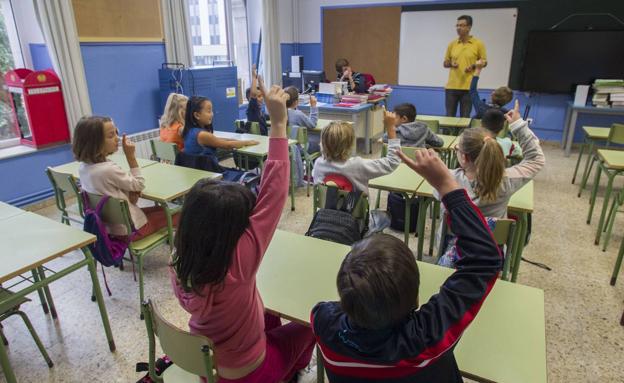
point(63, 185)
point(115, 211)
point(241, 125)
point(616, 134)
point(476, 123)
point(433, 125)
point(164, 151)
point(407, 150)
point(359, 212)
point(192, 353)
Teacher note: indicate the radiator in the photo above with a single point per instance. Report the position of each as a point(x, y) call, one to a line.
point(142, 142)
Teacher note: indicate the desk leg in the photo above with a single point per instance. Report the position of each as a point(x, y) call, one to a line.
point(367, 134)
point(566, 127)
point(44, 303)
point(407, 218)
point(522, 229)
point(320, 370)
point(46, 290)
point(420, 225)
point(592, 198)
point(169, 224)
point(6, 365)
point(98, 296)
point(570, 137)
point(435, 209)
point(605, 205)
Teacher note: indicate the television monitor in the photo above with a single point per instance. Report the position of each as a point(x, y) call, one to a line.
point(311, 80)
point(557, 61)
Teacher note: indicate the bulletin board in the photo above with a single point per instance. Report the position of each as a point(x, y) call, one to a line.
point(369, 37)
point(118, 20)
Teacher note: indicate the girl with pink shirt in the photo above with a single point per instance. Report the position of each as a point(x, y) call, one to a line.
point(223, 233)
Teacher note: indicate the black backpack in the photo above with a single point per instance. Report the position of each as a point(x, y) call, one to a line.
point(335, 221)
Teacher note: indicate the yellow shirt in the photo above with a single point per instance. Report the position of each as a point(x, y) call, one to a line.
point(464, 54)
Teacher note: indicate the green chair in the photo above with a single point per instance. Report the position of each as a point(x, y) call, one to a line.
point(164, 152)
point(254, 127)
point(65, 185)
point(192, 355)
point(433, 125)
point(360, 212)
point(301, 135)
point(476, 123)
point(503, 233)
point(592, 135)
point(616, 136)
point(618, 200)
point(616, 269)
point(116, 211)
point(14, 310)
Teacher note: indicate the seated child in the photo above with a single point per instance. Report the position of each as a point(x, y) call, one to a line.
point(337, 140)
point(344, 72)
point(95, 138)
point(298, 118)
point(377, 331)
point(172, 120)
point(256, 102)
point(498, 99)
point(221, 240)
point(412, 132)
point(493, 121)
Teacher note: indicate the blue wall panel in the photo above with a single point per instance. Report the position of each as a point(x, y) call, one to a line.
point(40, 57)
point(123, 82)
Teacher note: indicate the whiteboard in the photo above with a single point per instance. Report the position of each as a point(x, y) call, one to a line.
point(425, 35)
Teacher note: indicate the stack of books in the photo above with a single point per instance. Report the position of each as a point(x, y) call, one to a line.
point(380, 89)
point(354, 99)
point(608, 93)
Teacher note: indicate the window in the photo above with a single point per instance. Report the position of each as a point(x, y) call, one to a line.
point(219, 34)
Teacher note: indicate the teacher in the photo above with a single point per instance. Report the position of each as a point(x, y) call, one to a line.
point(461, 57)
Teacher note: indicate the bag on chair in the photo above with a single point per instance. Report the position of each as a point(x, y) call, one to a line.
point(335, 222)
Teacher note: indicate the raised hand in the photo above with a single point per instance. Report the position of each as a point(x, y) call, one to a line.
point(128, 146)
point(275, 100)
point(313, 101)
point(431, 168)
point(514, 114)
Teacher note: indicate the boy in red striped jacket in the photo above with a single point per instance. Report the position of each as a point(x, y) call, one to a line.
point(377, 332)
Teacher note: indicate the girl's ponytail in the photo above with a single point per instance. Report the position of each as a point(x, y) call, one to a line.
point(488, 159)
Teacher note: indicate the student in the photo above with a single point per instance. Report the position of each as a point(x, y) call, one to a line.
point(223, 234)
point(337, 140)
point(493, 121)
point(95, 138)
point(482, 165)
point(377, 331)
point(498, 99)
point(256, 102)
point(345, 73)
point(411, 132)
point(172, 120)
point(198, 132)
point(298, 118)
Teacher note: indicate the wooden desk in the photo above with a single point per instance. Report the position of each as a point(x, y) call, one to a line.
point(454, 123)
point(119, 159)
point(520, 205)
point(505, 343)
point(402, 180)
point(8, 211)
point(29, 241)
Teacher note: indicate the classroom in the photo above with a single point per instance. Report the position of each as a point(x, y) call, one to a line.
point(311, 191)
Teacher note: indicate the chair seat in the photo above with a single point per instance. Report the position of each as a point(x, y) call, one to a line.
point(174, 374)
point(151, 240)
point(596, 133)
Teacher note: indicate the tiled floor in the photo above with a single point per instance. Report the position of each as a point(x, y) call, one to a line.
point(585, 342)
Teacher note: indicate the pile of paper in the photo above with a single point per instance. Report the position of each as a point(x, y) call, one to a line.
point(608, 92)
point(380, 89)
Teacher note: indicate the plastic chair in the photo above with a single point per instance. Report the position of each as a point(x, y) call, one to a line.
point(618, 201)
point(592, 135)
point(254, 127)
point(192, 355)
point(165, 152)
point(301, 135)
point(503, 233)
point(14, 310)
point(116, 211)
point(433, 125)
point(64, 184)
point(616, 136)
point(360, 212)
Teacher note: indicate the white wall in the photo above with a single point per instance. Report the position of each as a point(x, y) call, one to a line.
point(286, 15)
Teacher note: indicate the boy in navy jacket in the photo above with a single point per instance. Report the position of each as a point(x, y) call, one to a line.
point(498, 99)
point(378, 332)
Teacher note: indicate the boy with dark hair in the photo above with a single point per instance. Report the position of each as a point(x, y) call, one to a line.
point(377, 332)
point(256, 101)
point(298, 118)
point(345, 73)
point(498, 99)
point(494, 121)
point(411, 132)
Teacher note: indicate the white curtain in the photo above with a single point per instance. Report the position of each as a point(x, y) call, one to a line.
point(57, 22)
point(270, 55)
point(175, 15)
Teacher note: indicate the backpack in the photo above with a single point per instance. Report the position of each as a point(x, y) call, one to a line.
point(396, 208)
point(106, 250)
point(249, 179)
point(335, 222)
point(367, 80)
